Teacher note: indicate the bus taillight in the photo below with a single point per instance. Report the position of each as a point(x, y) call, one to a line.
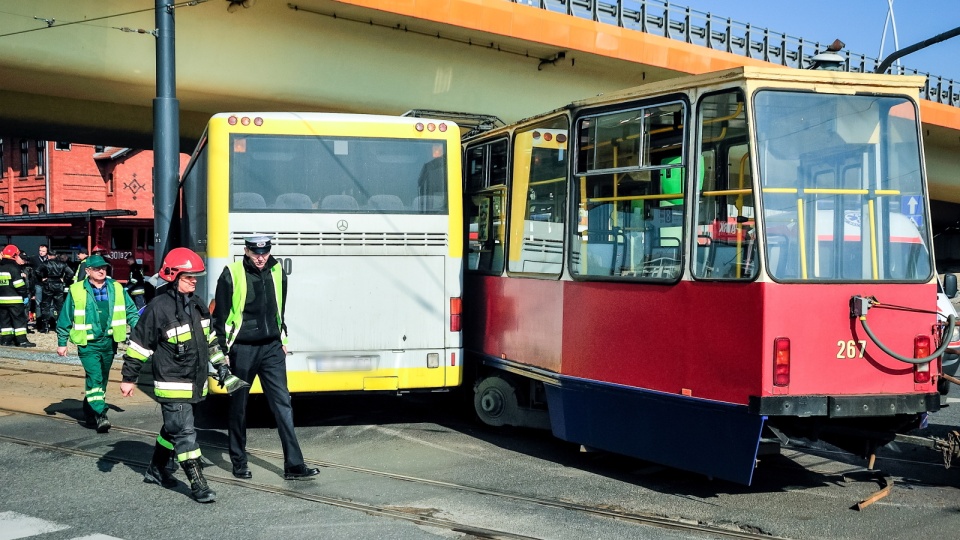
point(921, 348)
point(781, 362)
point(456, 308)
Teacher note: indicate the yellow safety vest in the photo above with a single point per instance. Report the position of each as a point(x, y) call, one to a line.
point(235, 317)
point(83, 331)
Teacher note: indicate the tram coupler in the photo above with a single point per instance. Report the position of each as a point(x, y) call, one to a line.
point(948, 448)
point(859, 305)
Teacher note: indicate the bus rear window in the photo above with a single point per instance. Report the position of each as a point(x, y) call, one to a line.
point(275, 173)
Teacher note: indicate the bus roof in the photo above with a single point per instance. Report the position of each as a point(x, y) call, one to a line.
point(332, 117)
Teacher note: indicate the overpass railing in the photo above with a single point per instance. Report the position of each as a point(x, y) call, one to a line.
point(663, 18)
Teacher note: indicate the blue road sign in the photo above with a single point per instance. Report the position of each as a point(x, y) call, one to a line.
point(913, 209)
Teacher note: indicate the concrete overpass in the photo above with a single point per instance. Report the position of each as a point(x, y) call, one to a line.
point(75, 71)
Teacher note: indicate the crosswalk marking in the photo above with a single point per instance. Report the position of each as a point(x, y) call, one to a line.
point(14, 526)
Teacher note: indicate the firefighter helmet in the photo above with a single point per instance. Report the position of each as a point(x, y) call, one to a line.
point(11, 251)
point(181, 261)
point(98, 249)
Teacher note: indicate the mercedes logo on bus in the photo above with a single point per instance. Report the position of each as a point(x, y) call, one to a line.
point(342, 225)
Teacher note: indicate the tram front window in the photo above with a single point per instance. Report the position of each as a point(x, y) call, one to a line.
point(842, 190)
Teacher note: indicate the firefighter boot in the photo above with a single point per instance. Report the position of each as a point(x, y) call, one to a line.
point(157, 472)
point(199, 489)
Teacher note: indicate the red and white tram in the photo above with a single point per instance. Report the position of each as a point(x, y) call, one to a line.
point(682, 270)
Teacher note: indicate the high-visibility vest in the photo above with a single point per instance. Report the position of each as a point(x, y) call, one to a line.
point(83, 331)
point(235, 317)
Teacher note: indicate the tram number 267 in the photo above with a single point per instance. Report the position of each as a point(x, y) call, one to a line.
point(286, 263)
point(851, 348)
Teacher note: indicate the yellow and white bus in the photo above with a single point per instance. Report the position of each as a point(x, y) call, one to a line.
point(366, 218)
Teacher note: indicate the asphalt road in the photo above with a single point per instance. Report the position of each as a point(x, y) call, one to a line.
point(419, 467)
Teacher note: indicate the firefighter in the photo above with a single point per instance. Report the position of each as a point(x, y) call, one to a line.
point(135, 284)
point(175, 332)
point(94, 317)
point(248, 319)
point(52, 276)
point(14, 294)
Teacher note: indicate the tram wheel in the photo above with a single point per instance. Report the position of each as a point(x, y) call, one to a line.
point(495, 402)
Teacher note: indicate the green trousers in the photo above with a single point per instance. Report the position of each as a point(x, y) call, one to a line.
point(97, 357)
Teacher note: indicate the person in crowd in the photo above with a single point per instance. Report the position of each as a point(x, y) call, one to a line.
point(136, 282)
point(79, 274)
point(94, 317)
point(37, 289)
point(175, 333)
point(248, 320)
point(53, 277)
point(14, 294)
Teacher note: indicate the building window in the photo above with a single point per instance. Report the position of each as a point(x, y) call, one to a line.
point(2, 210)
point(110, 183)
point(24, 157)
point(24, 209)
point(62, 146)
point(2, 168)
point(41, 208)
point(41, 157)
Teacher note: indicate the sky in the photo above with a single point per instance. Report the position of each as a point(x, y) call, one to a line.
point(858, 23)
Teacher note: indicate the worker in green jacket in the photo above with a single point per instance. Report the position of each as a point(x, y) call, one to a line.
point(94, 317)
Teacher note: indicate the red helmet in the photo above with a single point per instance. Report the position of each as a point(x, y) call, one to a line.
point(11, 251)
point(98, 249)
point(180, 261)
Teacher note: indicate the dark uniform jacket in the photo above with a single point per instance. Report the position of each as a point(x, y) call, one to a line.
point(13, 286)
point(259, 310)
point(54, 276)
point(174, 331)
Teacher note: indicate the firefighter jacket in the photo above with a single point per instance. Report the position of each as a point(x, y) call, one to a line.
point(136, 281)
point(249, 304)
point(13, 287)
point(175, 333)
point(53, 276)
point(80, 318)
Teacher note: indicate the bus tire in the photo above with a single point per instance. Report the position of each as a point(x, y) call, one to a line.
point(495, 402)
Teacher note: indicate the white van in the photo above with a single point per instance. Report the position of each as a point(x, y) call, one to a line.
point(951, 357)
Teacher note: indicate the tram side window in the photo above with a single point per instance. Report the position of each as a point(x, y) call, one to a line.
point(486, 176)
point(726, 245)
point(538, 198)
point(629, 193)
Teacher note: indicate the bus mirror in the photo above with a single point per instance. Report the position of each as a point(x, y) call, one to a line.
point(950, 285)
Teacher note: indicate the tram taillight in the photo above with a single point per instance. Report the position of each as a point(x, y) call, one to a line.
point(781, 361)
point(921, 349)
point(456, 308)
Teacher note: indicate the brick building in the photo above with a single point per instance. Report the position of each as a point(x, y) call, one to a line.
point(71, 195)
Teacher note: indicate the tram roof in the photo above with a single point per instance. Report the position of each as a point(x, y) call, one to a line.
point(838, 80)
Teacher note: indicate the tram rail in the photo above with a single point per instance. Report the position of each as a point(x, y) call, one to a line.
point(384, 510)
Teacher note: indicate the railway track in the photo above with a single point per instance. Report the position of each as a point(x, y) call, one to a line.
point(386, 511)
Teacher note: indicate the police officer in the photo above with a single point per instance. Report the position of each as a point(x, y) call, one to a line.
point(52, 276)
point(95, 316)
point(248, 319)
point(13, 293)
point(175, 333)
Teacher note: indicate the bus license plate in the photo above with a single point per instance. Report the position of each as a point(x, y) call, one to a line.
point(344, 363)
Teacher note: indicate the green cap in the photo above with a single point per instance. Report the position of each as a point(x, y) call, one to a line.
point(96, 261)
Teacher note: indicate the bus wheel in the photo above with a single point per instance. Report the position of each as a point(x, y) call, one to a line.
point(495, 402)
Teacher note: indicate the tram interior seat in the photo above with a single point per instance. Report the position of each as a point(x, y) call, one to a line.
point(385, 202)
point(428, 202)
point(293, 201)
point(339, 202)
point(248, 199)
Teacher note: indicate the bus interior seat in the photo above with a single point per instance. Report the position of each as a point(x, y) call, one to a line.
point(248, 199)
point(293, 201)
point(428, 202)
point(339, 202)
point(385, 202)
